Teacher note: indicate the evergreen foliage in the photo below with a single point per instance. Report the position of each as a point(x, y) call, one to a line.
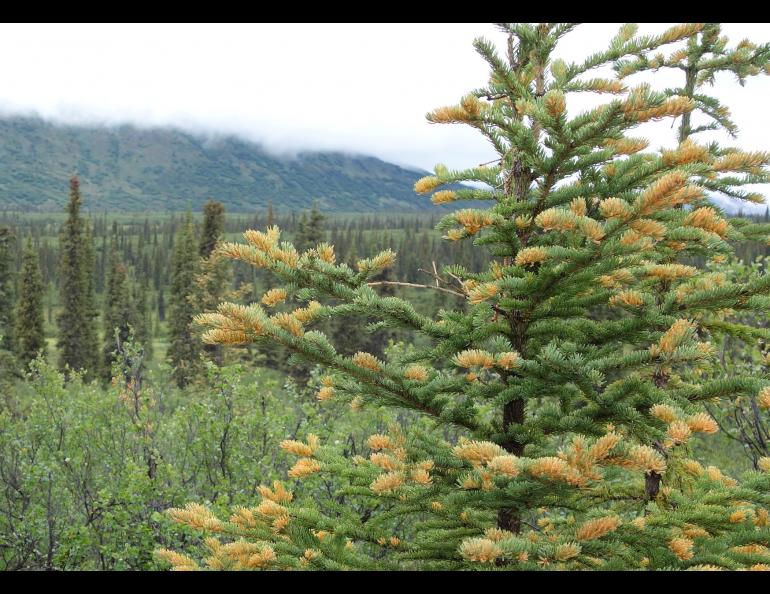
point(213, 226)
point(161, 307)
point(7, 292)
point(118, 312)
point(77, 332)
point(184, 349)
point(310, 230)
point(553, 416)
point(142, 316)
point(91, 332)
point(30, 329)
point(705, 55)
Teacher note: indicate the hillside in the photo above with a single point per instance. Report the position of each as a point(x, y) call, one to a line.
point(131, 169)
point(156, 169)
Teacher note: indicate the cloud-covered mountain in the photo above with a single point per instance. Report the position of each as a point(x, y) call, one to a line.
point(125, 168)
point(134, 169)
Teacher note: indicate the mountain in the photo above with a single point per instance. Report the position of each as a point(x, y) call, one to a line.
point(134, 169)
point(125, 168)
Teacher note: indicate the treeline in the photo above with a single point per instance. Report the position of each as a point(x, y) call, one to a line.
point(75, 287)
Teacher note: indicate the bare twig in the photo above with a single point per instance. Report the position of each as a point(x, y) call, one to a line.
point(416, 286)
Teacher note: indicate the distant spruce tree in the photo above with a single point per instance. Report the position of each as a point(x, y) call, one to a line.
point(213, 227)
point(118, 312)
point(7, 290)
point(91, 329)
point(185, 348)
point(141, 316)
point(161, 306)
point(310, 229)
point(77, 340)
point(101, 266)
point(30, 320)
point(575, 376)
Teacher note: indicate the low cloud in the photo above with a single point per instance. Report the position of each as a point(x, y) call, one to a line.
point(349, 87)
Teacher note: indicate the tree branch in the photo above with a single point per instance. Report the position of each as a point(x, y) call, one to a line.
point(417, 286)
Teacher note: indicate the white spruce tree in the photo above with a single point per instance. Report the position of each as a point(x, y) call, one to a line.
point(118, 312)
point(31, 322)
point(184, 349)
point(77, 340)
point(7, 290)
point(575, 375)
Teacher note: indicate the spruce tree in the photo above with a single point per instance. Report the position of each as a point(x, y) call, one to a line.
point(161, 306)
point(310, 229)
point(7, 290)
point(574, 375)
point(91, 332)
point(184, 349)
point(213, 227)
point(77, 340)
point(117, 310)
point(141, 318)
point(30, 321)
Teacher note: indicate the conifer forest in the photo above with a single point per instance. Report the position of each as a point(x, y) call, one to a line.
point(559, 360)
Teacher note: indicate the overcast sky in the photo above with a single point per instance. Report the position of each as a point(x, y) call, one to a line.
point(355, 87)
